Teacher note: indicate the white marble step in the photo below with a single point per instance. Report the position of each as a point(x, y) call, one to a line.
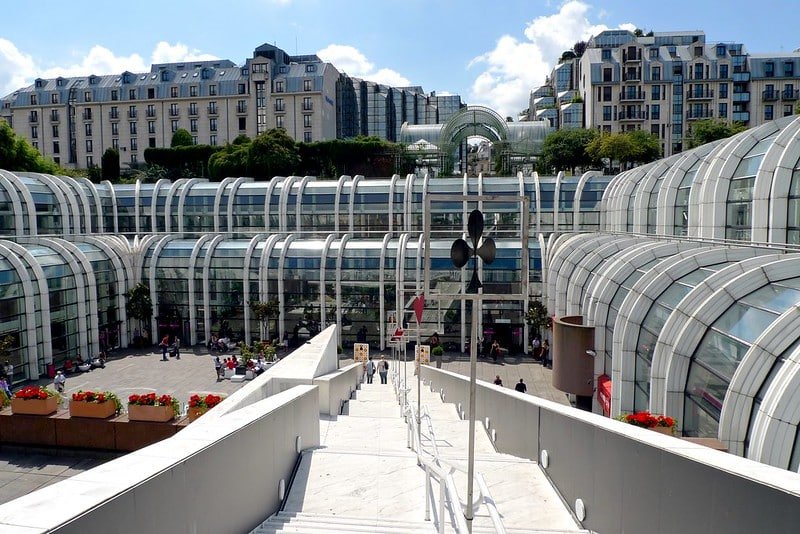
point(309, 522)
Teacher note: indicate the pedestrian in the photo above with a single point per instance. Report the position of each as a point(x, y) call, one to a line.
point(4, 387)
point(60, 381)
point(177, 348)
point(218, 367)
point(521, 387)
point(536, 344)
point(370, 370)
point(546, 354)
point(383, 369)
point(495, 350)
point(164, 347)
point(8, 367)
point(497, 381)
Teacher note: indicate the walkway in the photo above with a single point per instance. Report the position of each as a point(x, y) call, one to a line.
point(364, 478)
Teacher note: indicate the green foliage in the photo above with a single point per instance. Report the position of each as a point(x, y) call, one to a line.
point(232, 160)
point(139, 305)
point(537, 317)
point(5, 345)
point(16, 154)
point(94, 174)
point(368, 156)
point(707, 130)
point(438, 350)
point(273, 153)
point(110, 164)
point(264, 311)
point(627, 147)
point(182, 161)
point(566, 149)
point(181, 137)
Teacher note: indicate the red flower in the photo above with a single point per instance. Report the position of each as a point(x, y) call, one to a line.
point(646, 420)
point(33, 392)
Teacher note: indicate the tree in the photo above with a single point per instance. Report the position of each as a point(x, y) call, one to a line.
point(263, 312)
point(645, 147)
point(579, 48)
point(110, 164)
point(273, 153)
point(231, 160)
point(16, 154)
point(139, 305)
point(537, 317)
point(626, 147)
point(181, 137)
point(707, 130)
point(566, 149)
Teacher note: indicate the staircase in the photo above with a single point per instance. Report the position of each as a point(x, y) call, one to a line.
point(364, 477)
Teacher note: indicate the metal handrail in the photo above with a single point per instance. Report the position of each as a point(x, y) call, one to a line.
point(442, 471)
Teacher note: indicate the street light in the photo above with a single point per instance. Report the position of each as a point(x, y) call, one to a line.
point(460, 254)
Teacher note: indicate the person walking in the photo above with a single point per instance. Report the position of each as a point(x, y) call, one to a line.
point(370, 370)
point(218, 367)
point(4, 387)
point(546, 354)
point(521, 387)
point(8, 367)
point(383, 369)
point(177, 348)
point(164, 347)
point(60, 381)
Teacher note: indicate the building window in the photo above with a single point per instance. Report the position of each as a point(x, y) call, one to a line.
point(720, 50)
point(279, 86)
point(151, 93)
point(212, 125)
point(194, 139)
point(87, 114)
point(698, 51)
point(769, 112)
point(34, 132)
point(311, 68)
point(151, 110)
point(151, 142)
point(88, 129)
point(723, 110)
point(134, 159)
point(114, 94)
point(608, 74)
point(132, 128)
point(698, 71)
point(769, 69)
point(114, 128)
point(35, 144)
point(114, 113)
point(88, 145)
point(212, 108)
point(89, 162)
point(132, 112)
point(174, 126)
point(192, 90)
point(306, 85)
point(115, 144)
point(723, 71)
point(279, 106)
point(308, 105)
point(55, 130)
point(56, 148)
point(241, 106)
point(54, 115)
point(173, 92)
point(212, 90)
point(279, 121)
point(307, 121)
point(34, 116)
point(33, 100)
point(173, 110)
point(788, 69)
point(212, 140)
point(723, 90)
point(242, 89)
point(151, 127)
point(655, 112)
point(787, 110)
point(134, 144)
point(606, 113)
point(606, 94)
point(605, 55)
point(242, 123)
point(653, 52)
point(193, 125)
point(655, 74)
point(131, 94)
point(306, 137)
point(193, 108)
point(54, 98)
point(655, 92)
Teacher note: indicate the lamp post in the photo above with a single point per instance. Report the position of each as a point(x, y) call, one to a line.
point(460, 254)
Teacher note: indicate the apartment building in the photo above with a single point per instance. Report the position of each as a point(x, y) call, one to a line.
point(664, 82)
point(74, 120)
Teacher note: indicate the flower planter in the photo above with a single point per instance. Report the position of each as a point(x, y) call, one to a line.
point(95, 410)
point(662, 430)
point(161, 414)
point(34, 406)
point(194, 413)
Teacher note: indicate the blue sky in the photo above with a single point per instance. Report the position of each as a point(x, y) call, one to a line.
point(491, 53)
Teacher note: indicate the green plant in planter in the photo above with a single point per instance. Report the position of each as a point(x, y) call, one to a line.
point(269, 353)
point(437, 350)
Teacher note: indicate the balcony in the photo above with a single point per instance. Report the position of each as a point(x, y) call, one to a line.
point(627, 58)
point(631, 76)
point(87, 114)
point(699, 95)
point(628, 96)
point(113, 115)
point(151, 113)
point(741, 116)
point(54, 117)
point(769, 96)
point(132, 114)
point(241, 108)
point(212, 110)
point(741, 76)
point(744, 96)
point(280, 107)
point(790, 95)
point(192, 111)
point(174, 112)
point(33, 117)
point(637, 115)
point(696, 114)
point(308, 106)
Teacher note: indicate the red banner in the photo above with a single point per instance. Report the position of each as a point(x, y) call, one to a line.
point(604, 394)
point(419, 307)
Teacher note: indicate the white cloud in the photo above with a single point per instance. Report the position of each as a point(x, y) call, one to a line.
point(19, 70)
point(517, 65)
point(350, 60)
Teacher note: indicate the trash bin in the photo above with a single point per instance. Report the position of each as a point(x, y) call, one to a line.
point(51, 370)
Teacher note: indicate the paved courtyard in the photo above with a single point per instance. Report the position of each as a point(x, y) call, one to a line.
point(23, 470)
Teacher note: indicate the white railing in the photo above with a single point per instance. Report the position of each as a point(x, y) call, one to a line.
point(442, 471)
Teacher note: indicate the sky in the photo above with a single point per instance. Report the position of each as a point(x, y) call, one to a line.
point(491, 53)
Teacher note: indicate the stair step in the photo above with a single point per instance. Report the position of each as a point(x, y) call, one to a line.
point(311, 523)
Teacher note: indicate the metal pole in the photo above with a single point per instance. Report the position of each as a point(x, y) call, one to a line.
point(473, 365)
point(419, 386)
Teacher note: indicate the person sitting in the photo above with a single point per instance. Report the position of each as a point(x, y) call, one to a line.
point(230, 363)
point(98, 362)
point(84, 365)
point(498, 381)
point(68, 368)
point(212, 345)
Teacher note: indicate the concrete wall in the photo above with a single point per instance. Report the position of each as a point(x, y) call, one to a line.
point(573, 369)
point(221, 476)
point(632, 479)
point(337, 387)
